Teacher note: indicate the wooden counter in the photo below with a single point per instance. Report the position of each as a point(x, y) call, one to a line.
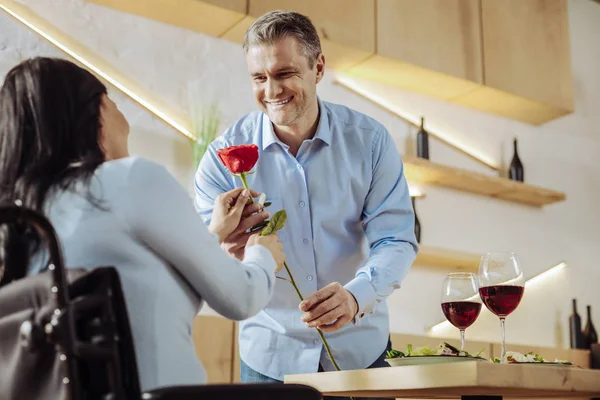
point(452, 380)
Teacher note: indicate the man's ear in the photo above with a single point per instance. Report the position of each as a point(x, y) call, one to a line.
point(320, 66)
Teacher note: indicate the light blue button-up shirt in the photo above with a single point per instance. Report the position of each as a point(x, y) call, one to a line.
point(349, 220)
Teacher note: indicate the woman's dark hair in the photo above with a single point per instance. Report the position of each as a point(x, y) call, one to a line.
point(49, 139)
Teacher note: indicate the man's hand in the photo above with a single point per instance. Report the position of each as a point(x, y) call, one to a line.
point(330, 308)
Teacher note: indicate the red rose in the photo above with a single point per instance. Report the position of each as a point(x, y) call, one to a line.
point(239, 159)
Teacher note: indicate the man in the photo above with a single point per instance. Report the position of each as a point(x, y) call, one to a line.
point(349, 237)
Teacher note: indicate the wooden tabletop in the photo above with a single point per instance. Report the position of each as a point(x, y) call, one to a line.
point(452, 380)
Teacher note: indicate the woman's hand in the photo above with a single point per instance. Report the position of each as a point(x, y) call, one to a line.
point(272, 243)
point(231, 209)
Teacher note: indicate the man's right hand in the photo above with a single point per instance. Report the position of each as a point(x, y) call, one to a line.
point(235, 243)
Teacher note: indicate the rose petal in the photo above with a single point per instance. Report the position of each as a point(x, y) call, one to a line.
point(239, 159)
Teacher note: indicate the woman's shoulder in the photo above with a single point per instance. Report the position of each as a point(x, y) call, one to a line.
point(129, 163)
point(125, 169)
point(131, 176)
point(129, 180)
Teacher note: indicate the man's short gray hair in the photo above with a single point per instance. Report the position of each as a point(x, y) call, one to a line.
point(276, 25)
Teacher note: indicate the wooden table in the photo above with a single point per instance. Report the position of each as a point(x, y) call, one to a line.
point(469, 380)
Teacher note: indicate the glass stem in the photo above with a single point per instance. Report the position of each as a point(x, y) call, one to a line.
point(462, 340)
point(503, 340)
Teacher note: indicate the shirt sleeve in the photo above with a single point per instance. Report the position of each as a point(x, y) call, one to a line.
point(388, 219)
point(161, 215)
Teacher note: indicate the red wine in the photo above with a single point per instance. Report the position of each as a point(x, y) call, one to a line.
point(461, 314)
point(500, 299)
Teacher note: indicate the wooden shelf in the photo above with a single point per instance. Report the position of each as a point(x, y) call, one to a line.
point(211, 17)
point(425, 171)
point(450, 260)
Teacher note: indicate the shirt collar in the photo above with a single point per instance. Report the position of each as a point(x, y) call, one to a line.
point(323, 131)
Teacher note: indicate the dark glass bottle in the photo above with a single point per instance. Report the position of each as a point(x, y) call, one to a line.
point(417, 222)
point(515, 171)
point(589, 333)
point(423, 141)
point(576, 336)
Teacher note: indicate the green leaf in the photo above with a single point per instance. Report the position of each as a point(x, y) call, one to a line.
point(480, 352)
point(394, 354)
point(426, 351)
point(408, 350)
point(276, 223)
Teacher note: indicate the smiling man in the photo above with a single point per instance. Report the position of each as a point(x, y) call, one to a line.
point(349, 237)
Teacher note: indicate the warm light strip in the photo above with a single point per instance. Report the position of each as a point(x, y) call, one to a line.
point(93, 63)
point(531, 281)
point(539, 278)
point(415, 120)
point(415, 191)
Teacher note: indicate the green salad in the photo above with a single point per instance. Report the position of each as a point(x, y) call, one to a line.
point(514, 357)
point(444, 349)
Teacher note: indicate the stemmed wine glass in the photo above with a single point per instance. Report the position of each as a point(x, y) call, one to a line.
point(501, 287)
point(460, 301)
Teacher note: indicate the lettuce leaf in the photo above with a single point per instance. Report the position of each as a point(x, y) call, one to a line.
point(425, 351)
point(394, 354)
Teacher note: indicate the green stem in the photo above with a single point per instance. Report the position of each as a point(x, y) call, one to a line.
point(245, 184)
point(293, 282)
point(243, 178)
point(328, 350)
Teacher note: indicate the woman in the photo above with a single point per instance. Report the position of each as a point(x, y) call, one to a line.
point(63, 151)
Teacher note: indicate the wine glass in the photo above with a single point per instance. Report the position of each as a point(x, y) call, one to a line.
point(501, 287)
point(460, 301)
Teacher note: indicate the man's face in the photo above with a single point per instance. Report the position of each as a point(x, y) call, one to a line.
point(284, 85)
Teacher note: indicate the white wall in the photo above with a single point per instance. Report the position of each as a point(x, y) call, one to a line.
point(560, 155)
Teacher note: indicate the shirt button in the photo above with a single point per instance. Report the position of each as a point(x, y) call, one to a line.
point(309, 278)
point(305, 241)
point(315, 341)
point(299, 166)
point(302, 204)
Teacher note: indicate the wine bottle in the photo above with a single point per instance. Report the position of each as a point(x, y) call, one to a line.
point(576, 336)
point(589, 333)
point(423, 141)
point(515, 171)
point(417, 222)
